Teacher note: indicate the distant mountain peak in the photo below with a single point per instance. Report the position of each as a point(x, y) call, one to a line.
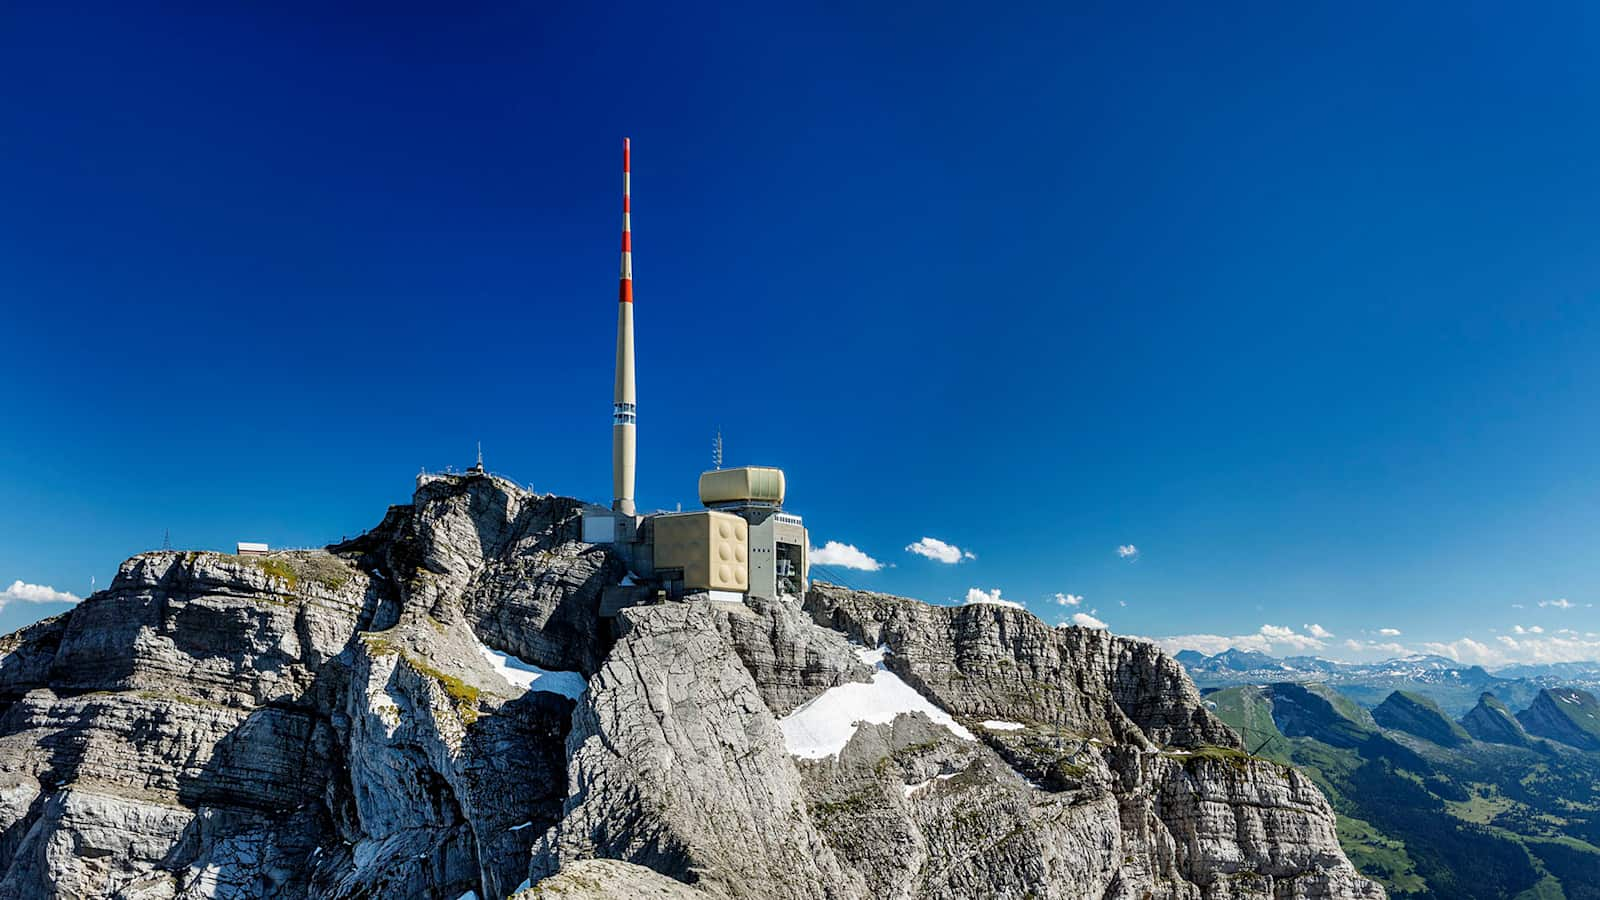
point(1417, 715)
point(1564, 714)
point(1492, 722)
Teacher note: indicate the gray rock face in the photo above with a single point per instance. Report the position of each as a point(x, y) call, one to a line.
point(791, 660)
point(507, 561)
point(677, 764)
point(330, 725)
point(990, 661)
point(608, 879)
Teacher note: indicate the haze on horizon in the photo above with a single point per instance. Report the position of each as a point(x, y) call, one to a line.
point(1274, 331)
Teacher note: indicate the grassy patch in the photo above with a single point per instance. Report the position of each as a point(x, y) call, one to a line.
point(277, 568)
point(464, 695)
point(1486, 803)
point(1548, 888)
point(1238, 759)
point(1379, 856)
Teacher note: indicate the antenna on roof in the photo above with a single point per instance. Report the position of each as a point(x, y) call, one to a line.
point(166, 539)
point(716, 450)
point(479, 466)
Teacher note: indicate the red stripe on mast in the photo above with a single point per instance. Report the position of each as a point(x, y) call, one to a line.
point(625, 293)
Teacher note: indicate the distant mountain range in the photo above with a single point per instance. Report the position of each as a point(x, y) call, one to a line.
point(1454, 686)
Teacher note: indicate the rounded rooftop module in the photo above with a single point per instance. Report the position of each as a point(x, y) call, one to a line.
point(746, 484)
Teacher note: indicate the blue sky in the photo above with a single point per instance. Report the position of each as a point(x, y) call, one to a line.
point(1299, 300)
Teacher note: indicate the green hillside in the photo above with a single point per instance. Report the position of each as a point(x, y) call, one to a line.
point(1317, 711)
point(1567, 715)
point(1467, 821)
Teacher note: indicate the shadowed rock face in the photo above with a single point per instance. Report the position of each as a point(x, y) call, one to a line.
point(324, 724)
point(1567, 715)
point(1417, 715)
point(1491, 721)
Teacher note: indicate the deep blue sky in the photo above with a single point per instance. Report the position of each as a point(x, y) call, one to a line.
point(1299, 299)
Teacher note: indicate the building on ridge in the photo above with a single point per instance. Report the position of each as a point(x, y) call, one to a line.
point(742, 544)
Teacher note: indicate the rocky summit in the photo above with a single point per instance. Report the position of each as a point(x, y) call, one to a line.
point(437, 710)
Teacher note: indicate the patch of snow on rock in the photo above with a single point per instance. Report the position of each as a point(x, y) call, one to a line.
point(873, 658)
point(1000, 725)
point(910, 789)
point(528, 676)
point(822, 727)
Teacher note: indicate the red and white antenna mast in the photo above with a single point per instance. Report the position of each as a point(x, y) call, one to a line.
point(624, 407)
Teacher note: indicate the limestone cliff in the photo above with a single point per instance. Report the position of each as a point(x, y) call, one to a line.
point(373, 721)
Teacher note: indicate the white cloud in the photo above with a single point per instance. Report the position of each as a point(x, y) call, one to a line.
point(1277, 639)
point(1068, 599)
point(1087, 621)
point(974, 595)
point(1283, 634)
point(938, 550)
point(1563, 603)
point(1530, 648)
point(1531, 629)
point(1128, 551)
point(1317, 631)
point(1389, 632)
point(845, 556)
point(22, 592)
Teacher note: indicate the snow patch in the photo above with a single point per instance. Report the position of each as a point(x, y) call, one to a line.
point(1001, 725)
point(873, 658)
point(530, 677)
point(910, 789)
point(823, 726)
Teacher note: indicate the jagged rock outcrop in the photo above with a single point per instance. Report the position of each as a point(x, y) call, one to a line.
point(677, 764)
point(342, 724)
point(993, 661)
point(1491, 721)
point(1416, 715)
